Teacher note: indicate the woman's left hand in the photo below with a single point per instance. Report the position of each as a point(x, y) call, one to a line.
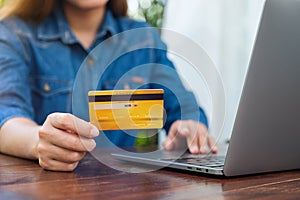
point(190, 135)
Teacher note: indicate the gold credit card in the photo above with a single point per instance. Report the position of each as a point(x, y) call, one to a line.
point(126, 109)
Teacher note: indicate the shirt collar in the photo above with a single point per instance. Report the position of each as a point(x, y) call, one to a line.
point(56, 27)
point(109, 25)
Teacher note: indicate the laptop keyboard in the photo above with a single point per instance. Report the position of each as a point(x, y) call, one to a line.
point(207, 160)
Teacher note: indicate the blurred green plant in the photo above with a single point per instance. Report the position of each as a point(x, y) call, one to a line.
point(146, 138)
point(151, 11)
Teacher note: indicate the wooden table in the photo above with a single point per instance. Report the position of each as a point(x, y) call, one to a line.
point(24, 179)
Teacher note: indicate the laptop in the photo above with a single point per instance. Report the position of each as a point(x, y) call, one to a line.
point(266, 131)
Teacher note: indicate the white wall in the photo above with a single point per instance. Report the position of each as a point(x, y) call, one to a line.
point(226, 30)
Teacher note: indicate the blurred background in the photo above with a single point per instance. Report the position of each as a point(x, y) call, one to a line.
point(225, 29)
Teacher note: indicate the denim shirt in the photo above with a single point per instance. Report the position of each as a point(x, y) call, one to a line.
point(40, 63)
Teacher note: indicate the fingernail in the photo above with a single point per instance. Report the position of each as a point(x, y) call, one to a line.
point(89, 144)
point(167, 144)
point(215, 149)
point(194, 149)
point(204, 149)
point(94, 132)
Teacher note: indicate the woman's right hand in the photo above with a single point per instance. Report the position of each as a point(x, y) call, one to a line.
point(63, 141)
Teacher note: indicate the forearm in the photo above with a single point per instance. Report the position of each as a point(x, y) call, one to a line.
point(19, 137)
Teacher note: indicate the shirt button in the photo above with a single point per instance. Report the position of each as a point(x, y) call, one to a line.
point(47, 87)
point(90, 62)
point(67, 35)
point(126, 86)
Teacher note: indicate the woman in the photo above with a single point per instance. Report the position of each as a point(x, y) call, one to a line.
point(42, 45)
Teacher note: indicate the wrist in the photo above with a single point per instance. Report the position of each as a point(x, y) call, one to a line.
point(33, 152)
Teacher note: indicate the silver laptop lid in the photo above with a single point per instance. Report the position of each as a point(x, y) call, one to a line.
point(266, 133)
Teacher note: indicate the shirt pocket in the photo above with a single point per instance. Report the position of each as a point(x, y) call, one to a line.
point(48, 87)
point(50, 95)
point(135, 82)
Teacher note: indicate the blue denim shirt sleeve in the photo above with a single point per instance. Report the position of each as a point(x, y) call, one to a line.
point(15, 98)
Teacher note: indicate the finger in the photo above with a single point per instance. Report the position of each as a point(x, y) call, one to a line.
point(54, 165)
point(65, 121)
point(169, 142)
point(212, 144)
point(191, 138)
point(203, 139)
point(177, 143)
point(188, 129)
point(66, 140)
point(59, 154)
point(173, 131)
